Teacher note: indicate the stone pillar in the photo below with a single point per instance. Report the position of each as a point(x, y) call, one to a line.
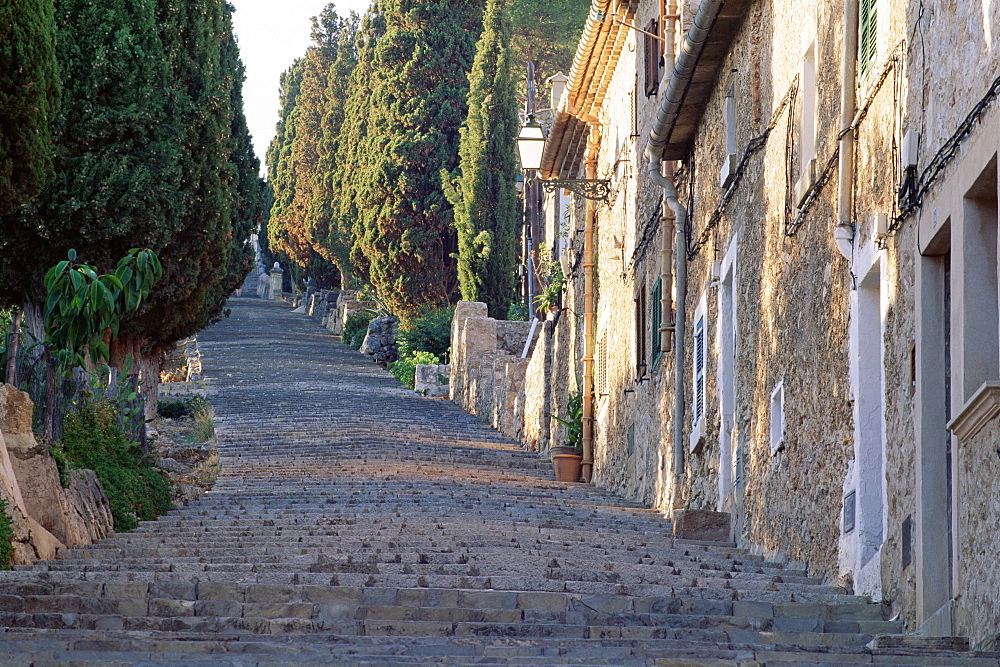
point(277, 275)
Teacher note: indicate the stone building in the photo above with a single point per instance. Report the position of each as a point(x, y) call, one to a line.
point(793, 309)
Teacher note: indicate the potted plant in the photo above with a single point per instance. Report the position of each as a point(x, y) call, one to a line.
point(566, 459)
point(550, 275)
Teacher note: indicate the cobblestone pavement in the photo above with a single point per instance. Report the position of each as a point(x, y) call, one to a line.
point(355, 522)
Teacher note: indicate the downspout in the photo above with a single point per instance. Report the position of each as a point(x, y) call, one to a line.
point(680, 273)
point(668, 17)
point(587, 465)
point(843, 233)
point(666, 115)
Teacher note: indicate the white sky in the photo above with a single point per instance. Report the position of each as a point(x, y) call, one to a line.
point(271, 35)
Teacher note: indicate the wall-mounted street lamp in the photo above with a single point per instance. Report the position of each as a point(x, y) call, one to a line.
point(531, 144)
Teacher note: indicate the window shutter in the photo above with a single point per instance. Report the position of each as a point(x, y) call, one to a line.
point(867, 27)
point(651, 53)
point(655, 321)
point(640, 332)
point(699, 370)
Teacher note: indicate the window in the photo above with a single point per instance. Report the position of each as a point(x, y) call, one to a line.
point(640, 333)
point(777, 417)
point(867, 45)
point(698, 402)
point(651, 50)
point(656, 349)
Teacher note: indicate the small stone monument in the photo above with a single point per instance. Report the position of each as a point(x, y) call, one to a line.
point(277, 275)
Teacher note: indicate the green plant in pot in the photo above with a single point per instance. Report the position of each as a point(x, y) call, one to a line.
point(566, 459)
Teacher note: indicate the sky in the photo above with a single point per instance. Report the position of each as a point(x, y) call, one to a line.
point(271, 35)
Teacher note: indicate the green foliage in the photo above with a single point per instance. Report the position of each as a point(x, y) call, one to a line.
point(327, 231)
point(82, 304)
point(181, 408)
point(92, 439)
point(355, 329)
point(517, 312)
point(413, 96)
point(487, 211)
point(405, 368)
point(574, 421)
point(149, 149)
point(547, 32)
point(550, 276)
point(428, 332)
point(29, 99)
point(6, 536)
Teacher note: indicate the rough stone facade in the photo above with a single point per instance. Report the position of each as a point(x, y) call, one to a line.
point(821, 422)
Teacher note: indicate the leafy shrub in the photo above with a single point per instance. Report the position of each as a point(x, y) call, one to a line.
point(181, 408)
point(517, 312)
point(93, 439)
point(355, 329)
point(428, 332)
point(6, 536)
point(405, 369)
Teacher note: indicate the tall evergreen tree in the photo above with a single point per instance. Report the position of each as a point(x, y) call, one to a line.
point(547, 32)
point(144, 152)
point(327, 231)
point(353, 151)
point(196, 256)
point(114, 149)
point(483, 193)
point(249, 188)
point(279, 171)
point(29, 99)
point(417, 99)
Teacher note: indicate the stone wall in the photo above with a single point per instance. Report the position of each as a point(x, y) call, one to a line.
point(487, 373)
point(46, 517)
point(977, 608)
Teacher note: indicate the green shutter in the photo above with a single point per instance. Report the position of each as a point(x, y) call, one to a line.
point(866, 37)
point(654, 320)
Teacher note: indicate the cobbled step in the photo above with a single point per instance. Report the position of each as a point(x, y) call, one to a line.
point(356, 523)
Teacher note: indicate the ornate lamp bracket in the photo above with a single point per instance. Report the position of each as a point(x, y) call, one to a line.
point(597, 189)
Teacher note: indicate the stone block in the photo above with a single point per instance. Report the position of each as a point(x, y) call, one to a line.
point(271, 593)
point(214, 590)
point(543, 601)
point(432, 380)
point(702, 525)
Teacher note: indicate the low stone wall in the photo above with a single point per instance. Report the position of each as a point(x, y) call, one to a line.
point(487, 375)
point(345, 304)
point(431, 380)
point(46, 517)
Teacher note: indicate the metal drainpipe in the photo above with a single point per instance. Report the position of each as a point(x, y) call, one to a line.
point(587, 465)
point(668, 15)
point(680, 273)
point(843, 233)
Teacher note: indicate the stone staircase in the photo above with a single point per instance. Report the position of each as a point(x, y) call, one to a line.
point(357, 523)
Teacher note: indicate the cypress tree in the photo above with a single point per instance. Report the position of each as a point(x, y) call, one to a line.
point(353, 151)
point(248, 191)
point(483, 194)
point(417, 100)
point(326, 230)
point(196, 256)
point(286, 238)
point(114, 150)
point(29, 99)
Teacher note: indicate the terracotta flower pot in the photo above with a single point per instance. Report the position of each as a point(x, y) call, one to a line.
point(567, 467)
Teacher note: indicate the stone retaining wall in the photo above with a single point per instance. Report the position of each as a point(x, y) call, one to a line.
point(487, 374)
